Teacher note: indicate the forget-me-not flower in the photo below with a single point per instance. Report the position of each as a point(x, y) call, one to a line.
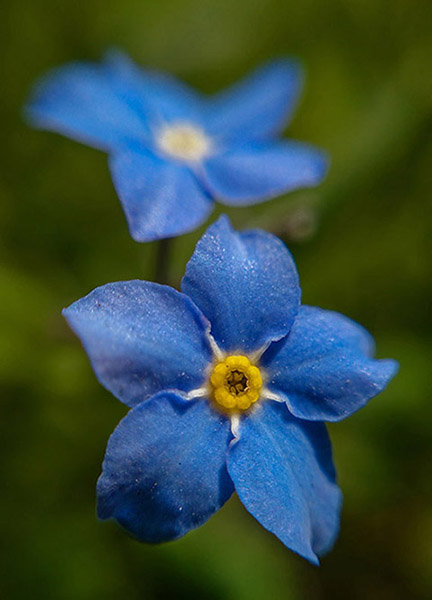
point(172, 151)
point(229, 382)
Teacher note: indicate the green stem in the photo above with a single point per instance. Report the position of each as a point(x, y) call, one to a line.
point(163, 254)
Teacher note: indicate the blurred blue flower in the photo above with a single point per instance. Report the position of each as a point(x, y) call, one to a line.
point(229, 382)
point(172, 152)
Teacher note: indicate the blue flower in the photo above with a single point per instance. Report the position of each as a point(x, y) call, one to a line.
point(229, 382)
point(172, 152)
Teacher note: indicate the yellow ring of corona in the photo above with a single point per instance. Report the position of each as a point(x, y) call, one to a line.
point(236, 383)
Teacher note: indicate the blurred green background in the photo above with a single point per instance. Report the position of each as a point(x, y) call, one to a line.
point(362, 242)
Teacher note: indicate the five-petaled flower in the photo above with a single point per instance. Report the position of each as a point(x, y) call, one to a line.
point(229, 382)
point(172, 151)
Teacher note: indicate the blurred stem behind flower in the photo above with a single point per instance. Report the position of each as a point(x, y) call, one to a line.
point(163, 253)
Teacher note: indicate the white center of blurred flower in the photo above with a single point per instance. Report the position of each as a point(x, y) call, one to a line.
point(184, 142)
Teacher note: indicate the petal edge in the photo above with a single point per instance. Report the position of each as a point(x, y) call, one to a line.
point(158, 480)
point(142, 338)
point(245, 283)
point(324, 368)
point(283, 472)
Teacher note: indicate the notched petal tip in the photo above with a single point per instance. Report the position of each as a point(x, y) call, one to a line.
point(378, 374)
point(383, 370)
point(325, 368)
point(246, 284)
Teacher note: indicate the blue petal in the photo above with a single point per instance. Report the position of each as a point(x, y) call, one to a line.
point(323, 368)
point(256, 172)
point(164, 471)
point(245, 283)
point(142, 338)
point(161, 199)
point(159, 95)
point(259, 106)
point(82, 101)
point(283, 473)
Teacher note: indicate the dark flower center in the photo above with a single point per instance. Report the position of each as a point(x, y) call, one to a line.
point(237, 382)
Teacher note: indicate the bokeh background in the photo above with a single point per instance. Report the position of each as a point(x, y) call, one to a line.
point(362, 242)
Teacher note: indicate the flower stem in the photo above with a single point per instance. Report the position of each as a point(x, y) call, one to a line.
point(163, 253)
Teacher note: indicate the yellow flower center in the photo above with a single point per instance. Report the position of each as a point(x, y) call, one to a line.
point(236, 383)
point(184, 141)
